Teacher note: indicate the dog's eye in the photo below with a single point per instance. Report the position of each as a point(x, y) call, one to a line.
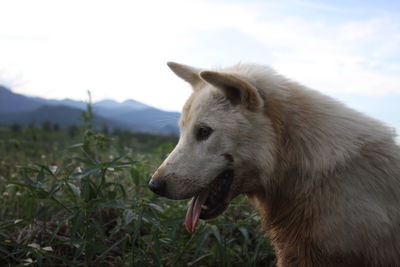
point(203, 132)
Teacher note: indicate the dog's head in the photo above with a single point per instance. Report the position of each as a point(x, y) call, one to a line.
point(225, 146)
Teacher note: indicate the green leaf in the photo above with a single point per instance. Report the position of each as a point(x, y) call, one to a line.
point(138, 224)
point(199, 259)
point(59, 225)
point(75, 146)
point(156, 249)
point(44, 168)
point(9, 224)
point(40, 178)
point(77, 222)
point(156, 207)
point(27, 180)
point(55, 188)
point(135, 176)
point(216, 233)
point(89, 171)
point(245, 234)
point(89, 190)
point(117, 185)
point(76, 190)
point(128, 216)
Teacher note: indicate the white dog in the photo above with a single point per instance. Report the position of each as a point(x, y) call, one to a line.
point(325, 178)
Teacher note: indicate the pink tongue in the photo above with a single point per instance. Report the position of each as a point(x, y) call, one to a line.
point(194, 210)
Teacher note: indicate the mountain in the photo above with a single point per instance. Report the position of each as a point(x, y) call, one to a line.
point(11, 102)
point(127, 104)
point(112, 109)
point(66, 102)
point(129, 115)
point(63, 115)
point(156, 119)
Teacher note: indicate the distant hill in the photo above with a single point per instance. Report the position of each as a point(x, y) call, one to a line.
point(11, 102)
point(127, 104)
point(129, 115)
point(63, 115)
point(149, 118)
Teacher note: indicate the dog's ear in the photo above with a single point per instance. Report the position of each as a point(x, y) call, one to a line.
point(236, 90)
point(187, 73)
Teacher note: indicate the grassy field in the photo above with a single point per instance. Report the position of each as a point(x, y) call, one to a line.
point(79, 197)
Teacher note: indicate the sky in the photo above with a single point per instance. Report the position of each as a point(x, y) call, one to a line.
point(118, 49)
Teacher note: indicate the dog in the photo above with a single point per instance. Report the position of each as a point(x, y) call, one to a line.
point(324, 177)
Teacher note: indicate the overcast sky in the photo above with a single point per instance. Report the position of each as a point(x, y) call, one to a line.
point(118, 49)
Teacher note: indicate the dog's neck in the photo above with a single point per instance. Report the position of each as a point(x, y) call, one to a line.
point(289, 216)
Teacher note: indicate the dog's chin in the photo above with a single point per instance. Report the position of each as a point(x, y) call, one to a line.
point(219, 196)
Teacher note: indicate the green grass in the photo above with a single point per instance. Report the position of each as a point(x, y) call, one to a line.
point(82, 200)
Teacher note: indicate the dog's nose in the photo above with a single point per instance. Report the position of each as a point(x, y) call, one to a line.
point(157, 186)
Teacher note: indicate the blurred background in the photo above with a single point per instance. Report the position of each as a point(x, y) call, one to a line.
point(118, 50)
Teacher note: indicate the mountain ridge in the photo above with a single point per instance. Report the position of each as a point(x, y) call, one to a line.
point(129, 114)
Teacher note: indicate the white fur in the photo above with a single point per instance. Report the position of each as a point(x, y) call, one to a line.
point(335, 166)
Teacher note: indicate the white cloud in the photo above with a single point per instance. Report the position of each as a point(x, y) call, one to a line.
point(116, 49)
point(352, 56)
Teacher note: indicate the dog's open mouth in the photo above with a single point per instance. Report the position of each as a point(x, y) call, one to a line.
point(210, 202)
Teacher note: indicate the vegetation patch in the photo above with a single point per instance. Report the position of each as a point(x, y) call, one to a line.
point(76, 196)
